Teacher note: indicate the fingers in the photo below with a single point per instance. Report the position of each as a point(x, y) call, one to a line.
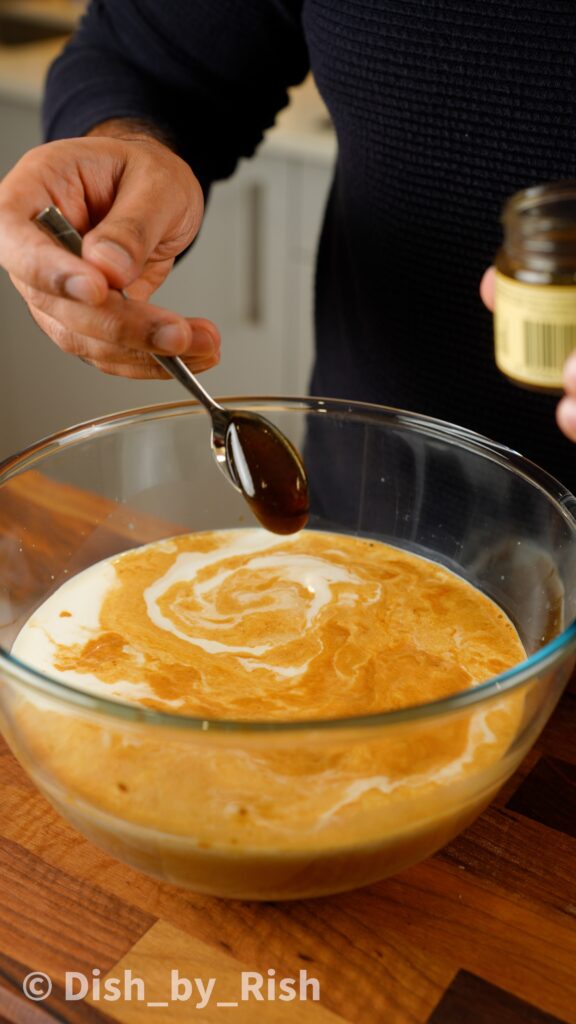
point(566, 417)
point(145, 200)
point(122, 362)
point(144, 368)
point(27, 253)
point(153, 216)
point(121, 335)
point(126, 323)
point(487, 288)
point(566, 408)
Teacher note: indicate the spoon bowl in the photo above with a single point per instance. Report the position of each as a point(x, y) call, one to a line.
point(269, 472)
point(255, 457)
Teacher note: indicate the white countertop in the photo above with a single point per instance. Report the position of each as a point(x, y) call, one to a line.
point(64, 13)
point(302, 130)
point(23, 67)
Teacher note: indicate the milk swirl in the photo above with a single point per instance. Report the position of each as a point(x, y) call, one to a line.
point(239, 623)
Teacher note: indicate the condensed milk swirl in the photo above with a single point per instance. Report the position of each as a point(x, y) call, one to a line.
point(242, 624)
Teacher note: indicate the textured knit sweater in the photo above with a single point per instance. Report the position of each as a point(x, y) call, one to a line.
point(442, 108)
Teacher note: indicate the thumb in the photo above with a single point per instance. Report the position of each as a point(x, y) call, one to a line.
point(147, 220)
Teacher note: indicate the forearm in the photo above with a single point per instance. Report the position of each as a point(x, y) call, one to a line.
point(209, 78)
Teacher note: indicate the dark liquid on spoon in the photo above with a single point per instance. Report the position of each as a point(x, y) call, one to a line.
point(270, 473)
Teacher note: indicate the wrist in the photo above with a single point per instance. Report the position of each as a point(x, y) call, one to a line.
point(131, 129)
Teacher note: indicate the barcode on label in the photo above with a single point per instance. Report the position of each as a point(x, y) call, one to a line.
point(547, 346)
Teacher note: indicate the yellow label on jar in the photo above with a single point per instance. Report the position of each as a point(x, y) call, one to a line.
point(534, 330)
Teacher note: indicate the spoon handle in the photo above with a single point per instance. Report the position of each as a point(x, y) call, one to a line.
point(55, 223)
point(178, 369)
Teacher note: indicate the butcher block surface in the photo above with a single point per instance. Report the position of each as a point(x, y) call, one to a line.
point(482, 933)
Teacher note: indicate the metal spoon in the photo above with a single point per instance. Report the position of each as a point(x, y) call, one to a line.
point(254, 455)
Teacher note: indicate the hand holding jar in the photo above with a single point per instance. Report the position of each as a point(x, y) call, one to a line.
point(532, 290)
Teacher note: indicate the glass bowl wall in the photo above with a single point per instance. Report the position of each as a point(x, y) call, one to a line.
point(234, 808)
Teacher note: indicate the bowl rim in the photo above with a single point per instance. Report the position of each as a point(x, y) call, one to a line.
point(511, 679)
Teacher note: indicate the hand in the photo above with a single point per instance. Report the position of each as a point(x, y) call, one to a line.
point(566, 408)
point(487, 289)
point(146, 207)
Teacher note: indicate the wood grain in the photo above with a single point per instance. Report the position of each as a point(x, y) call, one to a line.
point(548, 795)
point(165, 949)
point(40, 906)
point(482, 933)
point(473, 1000)
point(17, 1009)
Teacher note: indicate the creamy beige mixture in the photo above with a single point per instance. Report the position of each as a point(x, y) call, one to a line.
point(244, 625)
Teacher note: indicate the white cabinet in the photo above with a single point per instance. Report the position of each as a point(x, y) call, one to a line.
point(251, 271)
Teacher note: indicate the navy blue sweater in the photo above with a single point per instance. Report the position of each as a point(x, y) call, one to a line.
point(442, 108)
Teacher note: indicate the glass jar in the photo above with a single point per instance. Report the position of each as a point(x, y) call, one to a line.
point(535, 296)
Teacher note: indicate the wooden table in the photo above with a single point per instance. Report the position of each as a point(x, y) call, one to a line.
point(482, 933)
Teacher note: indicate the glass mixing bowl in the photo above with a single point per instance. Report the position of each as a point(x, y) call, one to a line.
point(239, 809)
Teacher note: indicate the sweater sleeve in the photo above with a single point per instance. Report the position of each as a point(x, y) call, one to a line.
point(212, 74)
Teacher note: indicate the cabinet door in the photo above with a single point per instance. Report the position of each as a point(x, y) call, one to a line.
point(235, 274)
point(309, 184)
